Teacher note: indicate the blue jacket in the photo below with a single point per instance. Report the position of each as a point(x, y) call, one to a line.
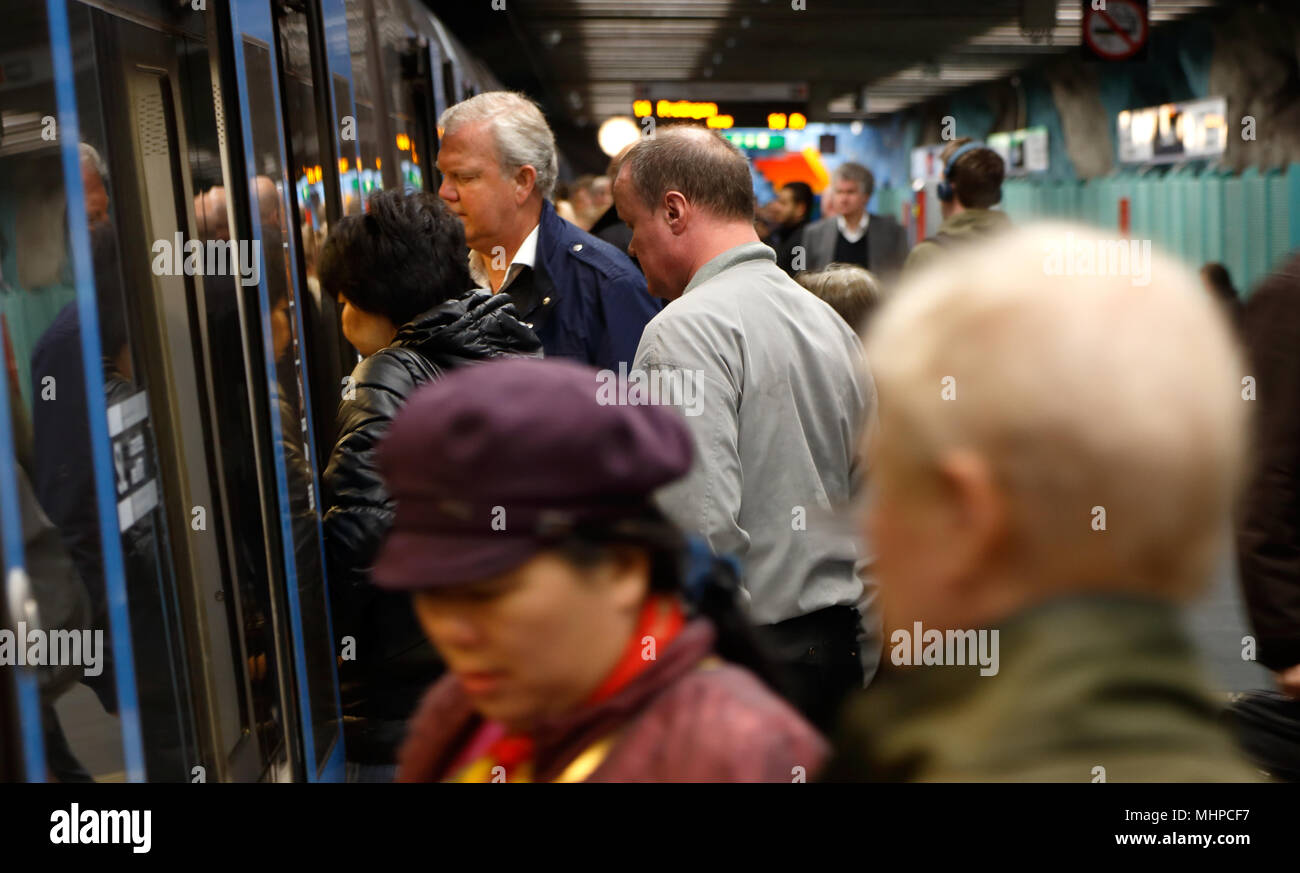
point(591, 302)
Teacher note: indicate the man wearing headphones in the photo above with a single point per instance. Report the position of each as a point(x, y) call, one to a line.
point(971, 185)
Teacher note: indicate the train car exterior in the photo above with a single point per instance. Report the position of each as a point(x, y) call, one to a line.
point(173, 369)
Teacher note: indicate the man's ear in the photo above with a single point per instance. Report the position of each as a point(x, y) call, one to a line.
point(676, 212)
point(974, 508)
point(525, 183)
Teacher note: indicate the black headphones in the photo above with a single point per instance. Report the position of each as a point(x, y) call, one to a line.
point(945, 189)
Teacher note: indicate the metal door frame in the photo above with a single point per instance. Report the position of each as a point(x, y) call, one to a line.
point(96, 404)
point(253, 18)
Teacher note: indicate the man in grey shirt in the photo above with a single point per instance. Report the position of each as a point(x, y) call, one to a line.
point(775, 391)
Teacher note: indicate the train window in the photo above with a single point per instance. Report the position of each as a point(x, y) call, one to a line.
point(371, 178)
point(305, 145)
point(371, 173)
point(448, 84)
point(59, 411)
point(183, 621)
point(394, 36)
point(274, 212)
point(349, 184)
point(336, 63)
point(310, 146)
point(40, 332)
point(413, 95)
point(164, 161)
point(256, 744)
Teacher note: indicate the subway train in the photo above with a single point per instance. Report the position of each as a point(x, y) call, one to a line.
point(203, 148)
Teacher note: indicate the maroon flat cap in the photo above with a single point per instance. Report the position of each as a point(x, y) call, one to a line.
point(489, 463)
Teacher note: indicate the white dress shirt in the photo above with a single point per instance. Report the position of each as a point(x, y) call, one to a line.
point(526, 256)
point(853, 235)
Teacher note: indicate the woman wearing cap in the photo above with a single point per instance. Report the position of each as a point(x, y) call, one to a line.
point(553, 589)
point(400, 273)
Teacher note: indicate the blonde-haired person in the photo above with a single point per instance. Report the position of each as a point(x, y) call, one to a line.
point(1055, 463)
point(849, 289)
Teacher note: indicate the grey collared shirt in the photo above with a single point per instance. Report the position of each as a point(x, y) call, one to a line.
point(781, 392)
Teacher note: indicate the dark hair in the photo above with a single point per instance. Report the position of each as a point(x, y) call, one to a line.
point(1218, 278)
point(1219, 282)
point(404, 256)
point(113, 332)
point(977, 176)
point(850, 290)
point(802, 193)
point(710, 172)
point(716, 598)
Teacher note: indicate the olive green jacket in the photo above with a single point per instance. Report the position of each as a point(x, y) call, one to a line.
point(1088, 689)
point(969, 225)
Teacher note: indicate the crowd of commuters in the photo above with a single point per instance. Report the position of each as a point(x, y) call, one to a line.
point(756, 556)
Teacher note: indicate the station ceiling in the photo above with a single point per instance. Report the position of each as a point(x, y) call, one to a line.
point(859, 58)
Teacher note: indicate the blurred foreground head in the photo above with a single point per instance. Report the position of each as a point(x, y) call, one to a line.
point(1045, 434)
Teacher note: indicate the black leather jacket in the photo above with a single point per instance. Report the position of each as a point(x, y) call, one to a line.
point(394, 662)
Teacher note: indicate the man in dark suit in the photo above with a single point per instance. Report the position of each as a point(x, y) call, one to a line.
point(609, 226)
point(853, 236)
point(794, 210)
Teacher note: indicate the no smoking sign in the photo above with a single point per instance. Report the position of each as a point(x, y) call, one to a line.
point(1115, 30)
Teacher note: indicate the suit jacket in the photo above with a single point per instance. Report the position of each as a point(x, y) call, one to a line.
point(886, 245)
point(611, 230)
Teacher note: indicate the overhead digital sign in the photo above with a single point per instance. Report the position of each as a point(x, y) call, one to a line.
point(726, 115)
point(724, 105)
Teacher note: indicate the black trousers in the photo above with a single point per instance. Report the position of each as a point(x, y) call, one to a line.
point(818, 657)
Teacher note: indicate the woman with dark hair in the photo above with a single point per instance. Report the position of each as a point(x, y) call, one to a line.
point(400, 274)
point(580, 643)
